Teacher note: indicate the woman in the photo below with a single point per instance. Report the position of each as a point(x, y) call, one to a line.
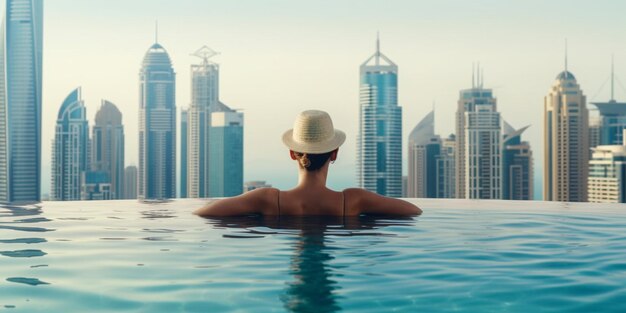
point(314, 144)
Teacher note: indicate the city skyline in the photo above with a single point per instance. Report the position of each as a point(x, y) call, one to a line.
point(422, 55)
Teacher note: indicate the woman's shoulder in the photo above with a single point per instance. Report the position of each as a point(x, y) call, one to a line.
point(264, 193)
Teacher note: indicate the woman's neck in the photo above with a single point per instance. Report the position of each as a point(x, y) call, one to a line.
point(313, 178)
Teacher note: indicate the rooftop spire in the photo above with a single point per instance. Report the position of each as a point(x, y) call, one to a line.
point(612, 77)
point(565, 56)
point(377, 48)
point(156, 31)
point(473, 75)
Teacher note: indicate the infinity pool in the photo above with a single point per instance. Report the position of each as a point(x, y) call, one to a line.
point(459, 256)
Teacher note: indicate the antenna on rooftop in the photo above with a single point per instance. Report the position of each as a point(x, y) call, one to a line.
point(377, 47)
point(566, 57)
point(205, 53)
point(156, 31)
point(612, 76)
point(473, 74)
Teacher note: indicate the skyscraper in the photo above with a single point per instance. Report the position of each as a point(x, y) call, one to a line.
point(157, 126)
point(478, 153)
point(69, 158)
point(204, 101)
point(607, 174)
point(424, 148)
point(446, 170)
point(612, 118)
point(226, 153)
point(379, 142)
point(183, 152)
point(21, 36)
point(107, 148)
point(517, 166)
point(566, 142)
point(130, 182)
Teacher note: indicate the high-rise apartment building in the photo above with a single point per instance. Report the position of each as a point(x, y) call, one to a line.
point(566, 141)
point(21, 36)
point(70, 146)
point(107, 148)
point(130, 182)
point(379, 142)
point(214, 135)
point(517, 166)
point(607, 174)
point(183, 152)
point(96, 186)
point(226, 153)
point(478, 153)
point(612, 120)
point(424, 148)
point(204, 101)
point(157, 126)
point(446, 169)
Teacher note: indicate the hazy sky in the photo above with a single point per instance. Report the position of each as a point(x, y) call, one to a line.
point(281, 57)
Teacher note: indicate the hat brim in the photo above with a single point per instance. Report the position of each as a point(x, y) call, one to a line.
point(316, 148)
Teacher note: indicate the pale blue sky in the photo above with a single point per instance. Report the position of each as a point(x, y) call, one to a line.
point(281, 57)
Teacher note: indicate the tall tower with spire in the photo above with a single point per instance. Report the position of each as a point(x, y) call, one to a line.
point(566, 142)
point(379, 142)
point(612, 116)
point(20, 101)
point(478, 153)
point(156, 177)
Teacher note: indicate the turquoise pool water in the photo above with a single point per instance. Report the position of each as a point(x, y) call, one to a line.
point(480, 256)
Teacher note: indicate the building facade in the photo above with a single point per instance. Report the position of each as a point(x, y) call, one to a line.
point(566, 141)
point(517, 166)
point(424, 148)
point(107, 147)
point(226, 153)
point(130, 182)
point(446, 169)
point(204, 101)
point(70, 147)
point(157, 126)
point(379, 142)
point(607, 174)
point(21, 36)
point(96, 186)
point(183, 153)
point(612, 120)
point(478, 153)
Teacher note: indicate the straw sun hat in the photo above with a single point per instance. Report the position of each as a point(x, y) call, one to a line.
point(313, 132)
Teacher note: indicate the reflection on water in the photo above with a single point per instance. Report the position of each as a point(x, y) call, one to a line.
point(22, 216)
point(312, 288)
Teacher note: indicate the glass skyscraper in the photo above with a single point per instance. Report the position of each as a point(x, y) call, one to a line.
point(214, 136)
point(21, 35)
point(517, 166)
point(157, 126)
point(70, 146)
point(107, 148)
point(226, 153)
point(446, 173)
point(612, 118)
point(478, 152)
point(424, 148)
point(379, 142)
point(183, 152)
point(204, 101)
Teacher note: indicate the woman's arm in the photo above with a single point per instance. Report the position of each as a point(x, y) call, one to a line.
point(262, 200)
point(363, 201)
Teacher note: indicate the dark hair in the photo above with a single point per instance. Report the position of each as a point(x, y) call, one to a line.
point(312, 162)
